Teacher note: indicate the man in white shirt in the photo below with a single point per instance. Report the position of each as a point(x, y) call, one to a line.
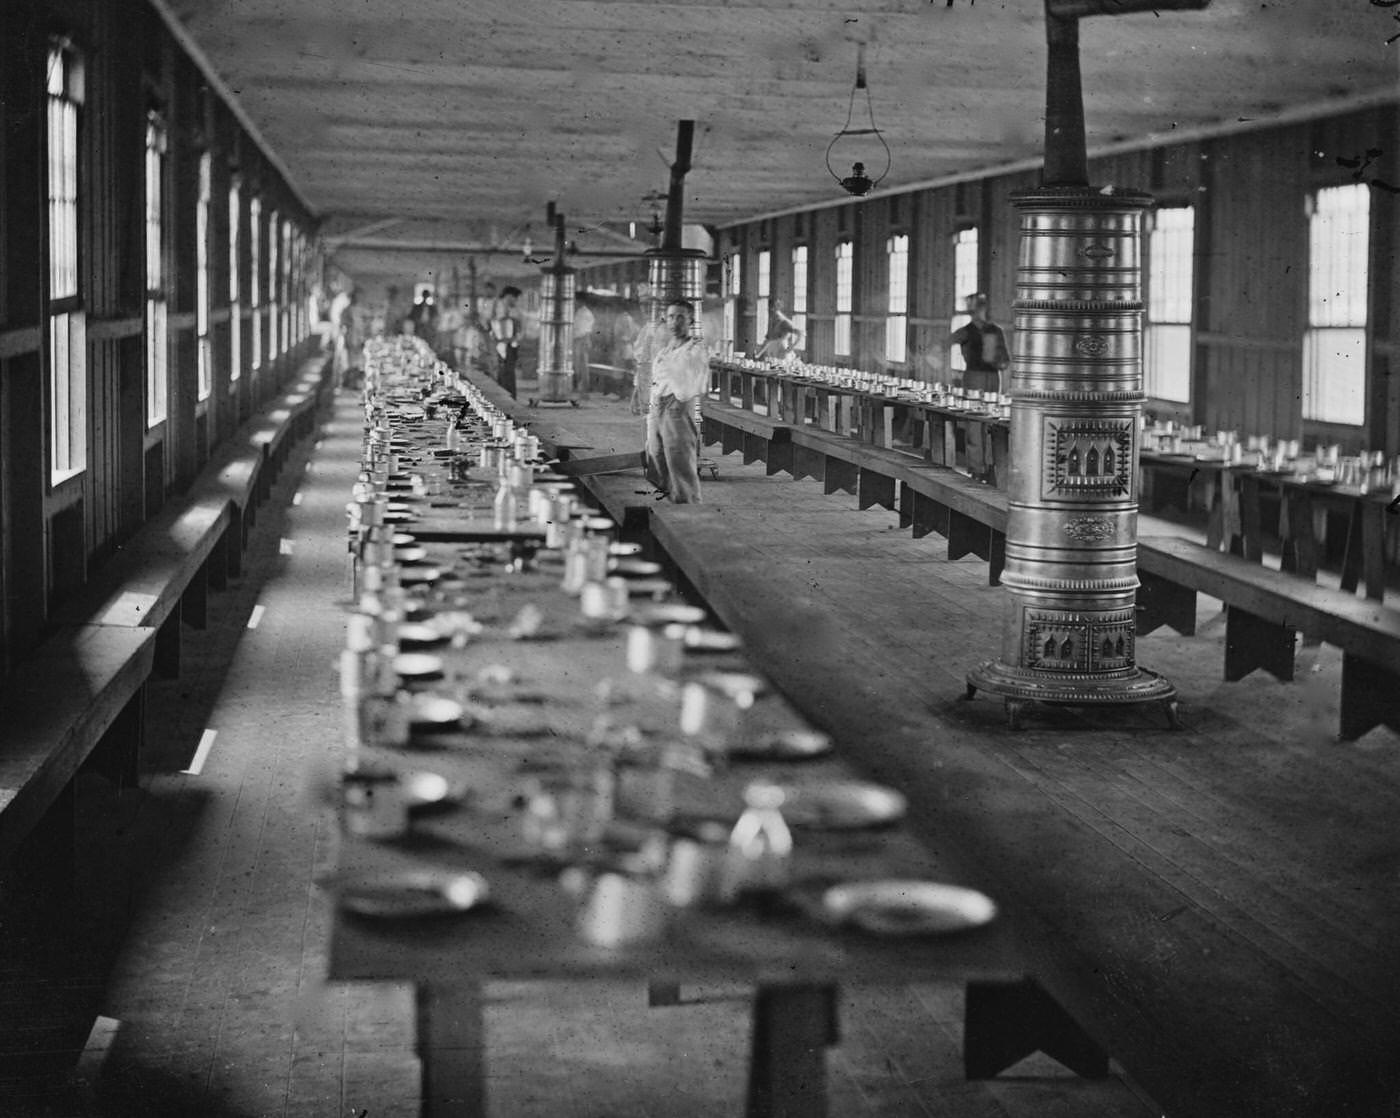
point(680, 375)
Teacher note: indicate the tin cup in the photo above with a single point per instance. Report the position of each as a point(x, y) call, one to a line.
point(695, 867)
point(604, 602)
point(619, 909)
point(655, 650)
point(375, 804)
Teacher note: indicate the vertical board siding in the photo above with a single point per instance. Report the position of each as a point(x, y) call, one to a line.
point(130, 63)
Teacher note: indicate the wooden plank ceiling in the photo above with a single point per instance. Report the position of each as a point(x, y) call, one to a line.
point(460, 119)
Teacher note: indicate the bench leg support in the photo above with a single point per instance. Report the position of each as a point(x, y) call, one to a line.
point(451, 1046)
point(874, 489)
point(1004, 1022)
point(1370, 697)
point(167, 658)
point(1160, 602)
point(194, 602)
point(967, 537)
point(118, 755)
point(792, 1026)
point(808, 463)
point(839, 476)
point(928, 516)
point(1252, 642)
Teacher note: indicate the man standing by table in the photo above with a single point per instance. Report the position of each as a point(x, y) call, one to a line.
point(680, 375)
point(983, 346)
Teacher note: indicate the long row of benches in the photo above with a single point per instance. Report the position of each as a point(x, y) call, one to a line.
point(78, 699)
point(1265, 610)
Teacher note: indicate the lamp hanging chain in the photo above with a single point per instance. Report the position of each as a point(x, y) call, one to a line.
point(847, 130)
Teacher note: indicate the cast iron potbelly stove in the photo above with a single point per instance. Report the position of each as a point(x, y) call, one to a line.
point(1070, 625)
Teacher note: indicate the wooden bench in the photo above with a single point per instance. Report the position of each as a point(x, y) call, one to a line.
point(161, 576)
point(245, 467)
point(1265, 610)
point(78, 699)
point(759, 438)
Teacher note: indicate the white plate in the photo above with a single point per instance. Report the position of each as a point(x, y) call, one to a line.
point(647, 587)
point(424, 788)
point(423, 893)
point(622, 548)
point(736, 684)
point(411, 554)
point(634, 568)
point(436, 711)
point(420, 633)
point(784, 745)
point(673, 613)
point(908, 908)
point(403, 539)
point(711, 640)
point(410, 575)
point(417, 665)
point(842, 805)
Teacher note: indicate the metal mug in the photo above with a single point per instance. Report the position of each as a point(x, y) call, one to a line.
point(375, 805)
point(620, 909)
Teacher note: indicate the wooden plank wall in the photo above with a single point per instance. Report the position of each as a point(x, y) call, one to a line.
point(53, 535)
point(1249, 189)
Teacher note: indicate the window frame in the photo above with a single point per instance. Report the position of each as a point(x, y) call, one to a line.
point(732, 274)
point(274, 283)
point(897, 299)
point(65, 334)
point(255, 306)
point(1341, 315)
point(156, 293)
point(763, 293)
point(1169, 294)
point(203, 305)
point(235, 280)
point(966, 261)
point(801, 286)
point(845, 257)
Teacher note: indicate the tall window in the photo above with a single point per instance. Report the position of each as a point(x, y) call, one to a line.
point(201, 278)
point(255, 278)
point(799, 290)
point(765, 292)
point(287, 287)
point(235, 296)
point(1167, 331)
point(67, 355)
point(157, 337)
point(965, 270)
point(897, 315)
point(274, 277)
point(1334, 346)
point(845, 266)
point(733, 285)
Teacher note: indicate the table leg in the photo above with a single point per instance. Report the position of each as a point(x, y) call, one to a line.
point(792, 1026)
point(1373, 548)
point(452, 1050)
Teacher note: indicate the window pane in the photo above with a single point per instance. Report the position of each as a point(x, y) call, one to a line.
point(844, 265)
point(157, 340)
point(965, 268)
point(1167, 361)
point(1334, 347)
point(1334, 375)
point(765, 290)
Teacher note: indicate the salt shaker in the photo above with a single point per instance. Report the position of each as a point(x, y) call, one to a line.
point(760, 846)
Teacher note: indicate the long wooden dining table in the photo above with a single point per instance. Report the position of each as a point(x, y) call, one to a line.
point(544, 692)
